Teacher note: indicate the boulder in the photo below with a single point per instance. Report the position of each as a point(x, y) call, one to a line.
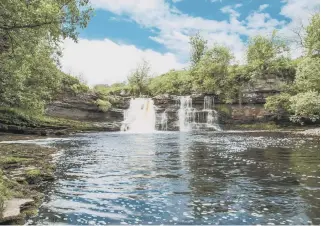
point(12, 209)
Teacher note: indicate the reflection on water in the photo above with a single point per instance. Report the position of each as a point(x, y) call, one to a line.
point(184, 178)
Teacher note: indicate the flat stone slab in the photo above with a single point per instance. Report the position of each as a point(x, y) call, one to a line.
point(12, 208)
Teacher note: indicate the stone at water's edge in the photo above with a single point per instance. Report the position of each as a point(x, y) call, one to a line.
point(24, 168)
point(12, 209)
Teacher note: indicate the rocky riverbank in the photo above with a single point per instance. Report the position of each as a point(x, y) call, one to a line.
point(18, 122)
point(24, 169)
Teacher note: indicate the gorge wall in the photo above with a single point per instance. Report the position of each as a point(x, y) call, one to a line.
point(248, 109)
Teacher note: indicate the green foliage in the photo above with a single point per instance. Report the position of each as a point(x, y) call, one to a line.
point(27, 22)
point(223, 108)
point(306, 104)
point(30, 34)
point(312, 39)
point(103, 105)
point(115, 89)
point(33, 173)
point(278, 104)
point(302, 98)
point(308, 74)
point(79, 88)
point(12, 116)
point(173, 82)
point(269, 57)
point(12, 160)
point(211, 72)
point(257, 126)
point(71, 85)
point(22, 118)
point(118, 89)
point(139, 79)
point(234, 83)
point(198, 48)
point(4, 191)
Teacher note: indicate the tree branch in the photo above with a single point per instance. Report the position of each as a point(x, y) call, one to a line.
point(14, 27)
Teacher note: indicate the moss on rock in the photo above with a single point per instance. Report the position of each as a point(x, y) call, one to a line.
point(23, 169)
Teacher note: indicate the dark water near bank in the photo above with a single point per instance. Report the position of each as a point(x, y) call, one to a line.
point(184, 178)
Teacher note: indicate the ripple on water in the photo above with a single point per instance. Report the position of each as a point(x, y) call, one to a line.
point(184, 178)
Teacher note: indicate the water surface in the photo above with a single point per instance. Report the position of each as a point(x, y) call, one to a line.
point(184, 178)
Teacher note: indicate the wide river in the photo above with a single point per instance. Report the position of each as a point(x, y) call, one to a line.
point(184, 178)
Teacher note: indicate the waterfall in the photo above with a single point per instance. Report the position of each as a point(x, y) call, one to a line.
point(163, 121)
point(186, 114)
point(208, 102)
point(212, 116)
point(191, 118)
point(140, 117)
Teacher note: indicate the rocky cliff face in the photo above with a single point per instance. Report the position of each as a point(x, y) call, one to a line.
point(249, 109)
point(83, 107)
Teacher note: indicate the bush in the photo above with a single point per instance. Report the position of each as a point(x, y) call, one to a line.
point(79, 88)
point(306, 105)
point(173, 82)
point(103, 105)
point(278, 104)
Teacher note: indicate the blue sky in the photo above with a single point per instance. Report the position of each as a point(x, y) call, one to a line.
point(122, 32)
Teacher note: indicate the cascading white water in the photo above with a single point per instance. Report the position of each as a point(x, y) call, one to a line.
point(211, 117)
point(208, 102)
point(140, 117)
point(186, 114)
point(191, 118)
point(163, 121)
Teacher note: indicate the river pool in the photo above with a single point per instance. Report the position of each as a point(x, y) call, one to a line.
point(183, 178)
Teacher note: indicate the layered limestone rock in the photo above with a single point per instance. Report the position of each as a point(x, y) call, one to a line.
point(249, 108)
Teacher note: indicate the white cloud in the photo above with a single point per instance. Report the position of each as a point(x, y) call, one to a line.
point(263, 7)
point(230, 10)
point(175, 26)
point(104, 61)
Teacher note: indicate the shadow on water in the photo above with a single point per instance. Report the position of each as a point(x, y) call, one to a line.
point(184, 178)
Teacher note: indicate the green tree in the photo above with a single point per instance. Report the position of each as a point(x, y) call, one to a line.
point(30, 33)
point(312, 39)
point(308, 75)
point(198, 48)
point(139, 79)
point(302, 99)
point(279, 104)
point(25, 21)
point(210, 73)
point(306, 105)
point(173, 82)
point(269, 58)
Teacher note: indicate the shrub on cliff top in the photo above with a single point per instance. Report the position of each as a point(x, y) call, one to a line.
point(103, 105)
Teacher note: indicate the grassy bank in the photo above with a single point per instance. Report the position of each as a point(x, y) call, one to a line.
point(14, 120)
